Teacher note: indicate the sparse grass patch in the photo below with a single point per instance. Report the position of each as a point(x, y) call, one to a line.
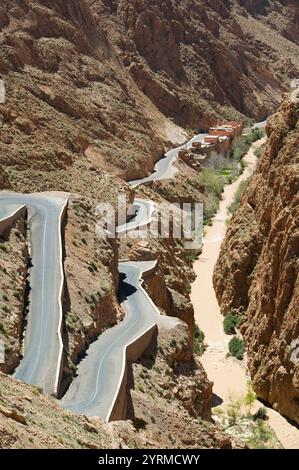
point(261, 436)
point(237, 421)
point(237, 198)
point(242, 144)
point(212, 182)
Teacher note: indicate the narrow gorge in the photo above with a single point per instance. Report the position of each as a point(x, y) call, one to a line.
point(257, 271)
point(177, 328)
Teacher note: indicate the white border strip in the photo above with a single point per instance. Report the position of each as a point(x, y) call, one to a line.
point(61, 290)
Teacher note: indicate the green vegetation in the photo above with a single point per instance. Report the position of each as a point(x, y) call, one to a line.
point(259, 151)
point(231, 322)
point(214, 185)
point(260, 414)
point(212, 182)
point(262, 436)
point(250, 397)
point(71, 322)
point(237, 198)
point(198, 341)
point(224, 171)
point(237, 421)
point(236, 348)
point(242, 144)
point(234, 411)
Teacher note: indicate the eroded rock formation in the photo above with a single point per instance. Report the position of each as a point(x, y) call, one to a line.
point(257, 272)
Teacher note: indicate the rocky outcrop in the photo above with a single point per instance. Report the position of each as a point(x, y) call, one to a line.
point(13, 261)
point(4, 184)
point(183, 382)
point(257, 272)
point(34, 421)
point(193, 57)
point(91, 286)
point(66, 92)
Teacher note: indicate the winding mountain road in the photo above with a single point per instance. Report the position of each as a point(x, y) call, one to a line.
point(9, 213)
point(95, 390)
point(164, 167)
point(43, 346)
point(101, 374)
point(260, 125)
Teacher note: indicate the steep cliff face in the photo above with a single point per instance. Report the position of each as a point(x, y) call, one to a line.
point(13, 261)
point(257, 272)
point(70, 106)
point(196, 59)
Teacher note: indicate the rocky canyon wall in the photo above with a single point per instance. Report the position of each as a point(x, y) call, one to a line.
point(257, 272)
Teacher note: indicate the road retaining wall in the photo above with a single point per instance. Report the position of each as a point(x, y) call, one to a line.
point(5, 224)
point(133, 352)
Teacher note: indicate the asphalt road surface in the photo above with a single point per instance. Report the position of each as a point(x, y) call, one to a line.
point(260, 125)
point(94, 391)
point(40, 365)
point(165, 168)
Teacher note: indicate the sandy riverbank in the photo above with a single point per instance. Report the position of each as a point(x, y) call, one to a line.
point(228, 374)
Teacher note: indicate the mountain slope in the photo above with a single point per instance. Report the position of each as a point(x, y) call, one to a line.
point(198, 59)
point(90, 86)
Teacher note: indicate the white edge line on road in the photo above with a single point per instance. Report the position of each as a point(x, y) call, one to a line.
point(59, 330)
point(124, 360)
point(43, 295)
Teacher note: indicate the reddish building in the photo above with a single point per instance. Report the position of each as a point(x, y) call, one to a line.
point(221, 144)
point(237, 126)
point(224, 131)
point(210, 139)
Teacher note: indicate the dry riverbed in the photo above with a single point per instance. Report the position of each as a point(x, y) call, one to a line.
point(228, 374)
